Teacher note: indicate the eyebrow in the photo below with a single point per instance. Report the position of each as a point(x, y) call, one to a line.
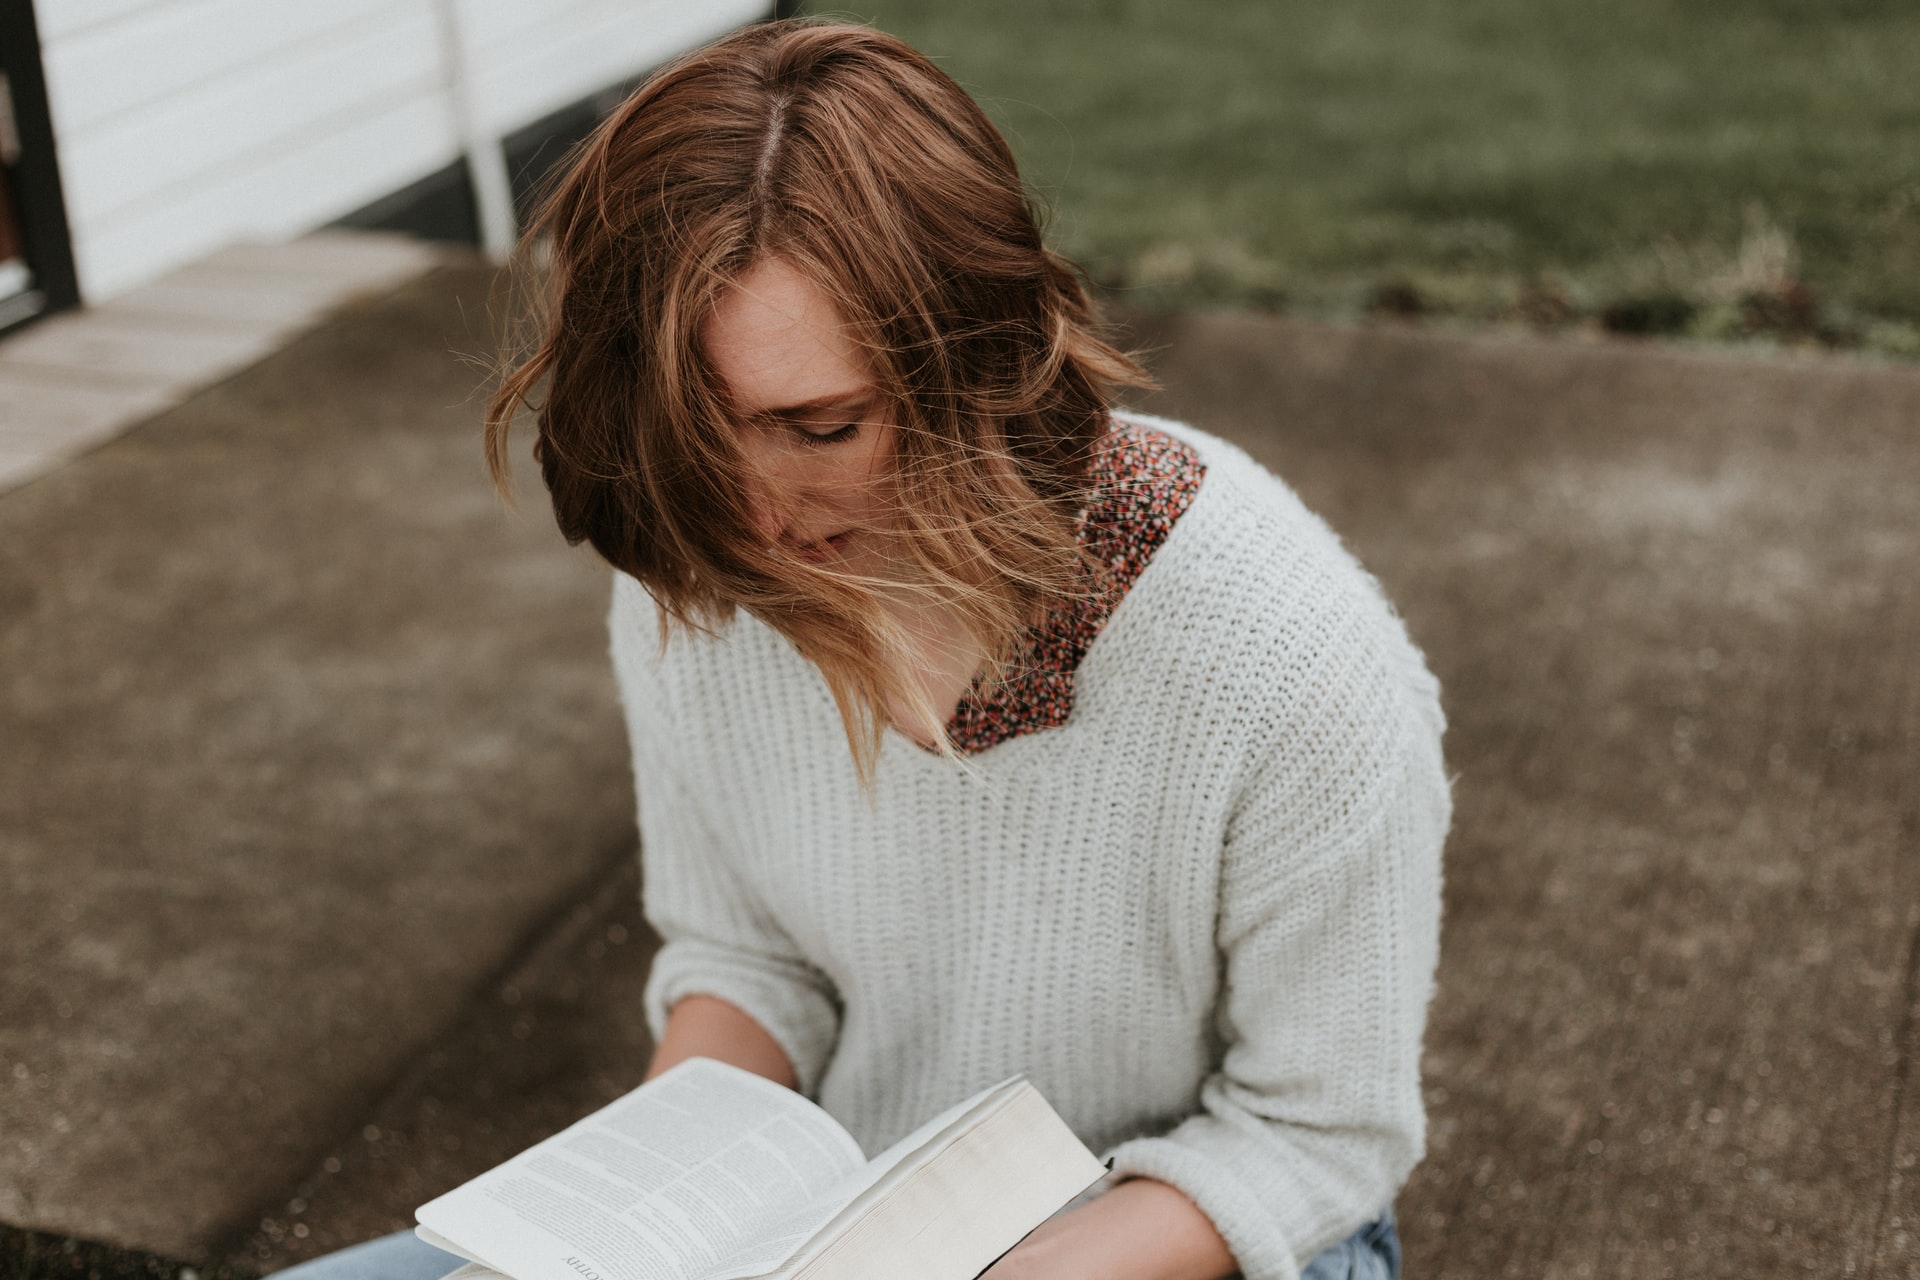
point(835, 400)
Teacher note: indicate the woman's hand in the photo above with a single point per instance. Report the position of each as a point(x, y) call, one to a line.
point(1140, 1230)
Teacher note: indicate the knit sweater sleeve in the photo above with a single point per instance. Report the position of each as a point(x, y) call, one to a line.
point(1328, 930)
point(718, 938)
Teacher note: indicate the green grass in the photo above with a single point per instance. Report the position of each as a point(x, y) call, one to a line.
point(1723, 168)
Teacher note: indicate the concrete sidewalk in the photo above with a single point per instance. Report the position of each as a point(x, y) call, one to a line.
point(317, 835)
point(74, 380)
point(1672, 601)
point(307, 744)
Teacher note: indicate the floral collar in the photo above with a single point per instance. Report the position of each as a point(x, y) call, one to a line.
point(1144, 481)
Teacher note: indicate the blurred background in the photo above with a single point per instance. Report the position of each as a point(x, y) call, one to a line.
point(1591, 327)
point(1724, 170)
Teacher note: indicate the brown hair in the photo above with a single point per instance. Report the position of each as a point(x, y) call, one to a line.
point(851, 156)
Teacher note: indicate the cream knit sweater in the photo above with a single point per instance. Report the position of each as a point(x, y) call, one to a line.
point(1201, 916)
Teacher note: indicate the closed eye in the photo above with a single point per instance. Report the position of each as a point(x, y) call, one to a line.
point(838, 435)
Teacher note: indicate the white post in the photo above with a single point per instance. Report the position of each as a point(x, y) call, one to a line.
point(492, 192)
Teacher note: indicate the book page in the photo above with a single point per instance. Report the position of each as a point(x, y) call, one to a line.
point(806, 1230)
point(849, 1202)
point(970, 1110)
point(960, 1203)
point(474, 1271)
point(701, 1165)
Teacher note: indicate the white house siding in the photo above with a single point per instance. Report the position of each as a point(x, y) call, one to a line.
point(184, 125)
point(529, 59)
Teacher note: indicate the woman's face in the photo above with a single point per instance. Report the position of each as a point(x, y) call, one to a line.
point(809, 417)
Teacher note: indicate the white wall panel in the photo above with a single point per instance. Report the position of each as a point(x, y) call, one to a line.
point(114, 171)
point(59, 18)
point(183, 125)
point(290, 193)
point(523, 70)
point(182, 47)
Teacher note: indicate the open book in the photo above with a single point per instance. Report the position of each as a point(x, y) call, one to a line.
point(713, 1173)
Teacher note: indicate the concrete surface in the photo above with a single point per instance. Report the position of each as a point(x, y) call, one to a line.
point(316, 834)
point(557, 1036)
point(1672, 602)
point(74, 380)
point(305, 740)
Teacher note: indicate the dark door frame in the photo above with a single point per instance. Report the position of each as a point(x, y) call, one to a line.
point(35, 181)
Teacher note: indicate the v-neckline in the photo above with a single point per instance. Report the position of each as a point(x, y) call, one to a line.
point(1144, 480)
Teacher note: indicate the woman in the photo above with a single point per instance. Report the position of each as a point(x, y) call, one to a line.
point(978, 728)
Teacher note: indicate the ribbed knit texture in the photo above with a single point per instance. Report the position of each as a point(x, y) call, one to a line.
point(1201, 915)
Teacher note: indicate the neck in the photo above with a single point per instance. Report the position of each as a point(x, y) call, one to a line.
point(944, 658)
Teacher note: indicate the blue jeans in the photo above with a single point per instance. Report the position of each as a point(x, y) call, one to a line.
point(400, 1256)
point(1371, 1253)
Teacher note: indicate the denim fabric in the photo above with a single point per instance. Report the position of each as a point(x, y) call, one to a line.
point(400, 1256)
point(1371, 1253)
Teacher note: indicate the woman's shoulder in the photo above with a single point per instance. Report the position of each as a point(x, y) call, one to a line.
point(661, 667)
point(1256, 591)
point(1239, 488)
point(1248, 539)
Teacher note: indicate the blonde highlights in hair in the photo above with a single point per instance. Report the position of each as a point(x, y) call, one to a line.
point(853, 158)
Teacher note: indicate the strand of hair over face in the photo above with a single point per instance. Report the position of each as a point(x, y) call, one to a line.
point(860, 162)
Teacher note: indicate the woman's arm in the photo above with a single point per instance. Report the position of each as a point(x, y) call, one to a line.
point(1327, 929)
point(1140, 1230)
point(708, 1027)
point(719, 941)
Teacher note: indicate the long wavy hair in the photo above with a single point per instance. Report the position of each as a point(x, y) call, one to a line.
point(852, 157)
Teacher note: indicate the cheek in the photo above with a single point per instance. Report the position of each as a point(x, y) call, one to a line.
point(874, 470)
point(877, 460)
